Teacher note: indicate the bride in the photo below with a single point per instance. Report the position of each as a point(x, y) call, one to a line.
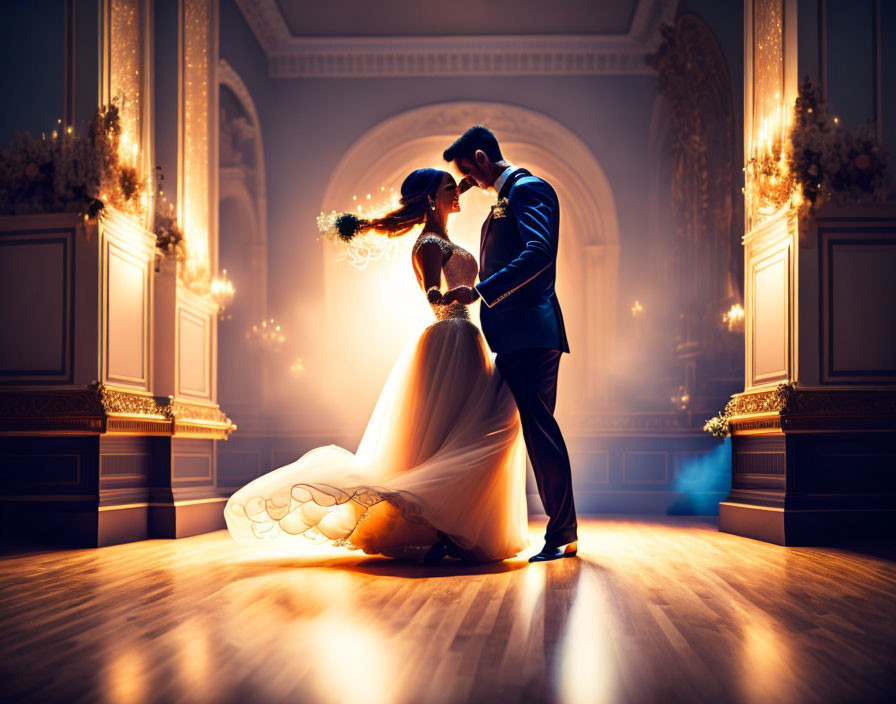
point(441, 467)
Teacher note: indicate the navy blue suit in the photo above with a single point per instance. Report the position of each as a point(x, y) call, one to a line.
point(523, 324)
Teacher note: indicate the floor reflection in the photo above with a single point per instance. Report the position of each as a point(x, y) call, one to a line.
point(651, 610)
point(585, 663)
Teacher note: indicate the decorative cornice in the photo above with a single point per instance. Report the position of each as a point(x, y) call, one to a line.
point(409, 56)
point(457, 56)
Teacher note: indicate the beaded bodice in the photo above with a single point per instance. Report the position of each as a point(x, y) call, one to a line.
point(459, 268)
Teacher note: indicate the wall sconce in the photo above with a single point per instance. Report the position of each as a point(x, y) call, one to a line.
point(734, 318)
point(222, 294)
point(682, 400)
point(637, 309)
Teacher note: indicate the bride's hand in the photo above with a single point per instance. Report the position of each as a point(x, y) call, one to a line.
point(461, 294)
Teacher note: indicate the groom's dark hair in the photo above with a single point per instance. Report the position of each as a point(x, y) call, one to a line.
point(473, 139)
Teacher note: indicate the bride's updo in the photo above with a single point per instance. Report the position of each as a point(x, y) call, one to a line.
point(414, 205)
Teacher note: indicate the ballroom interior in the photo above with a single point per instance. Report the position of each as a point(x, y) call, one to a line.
point(174, 326)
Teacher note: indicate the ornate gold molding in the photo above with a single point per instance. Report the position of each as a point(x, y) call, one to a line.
point(126, 403)
point(789, 407)
point(761, 402)
point(101, 409)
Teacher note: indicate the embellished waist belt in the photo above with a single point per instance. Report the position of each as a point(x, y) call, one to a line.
point(453, 311)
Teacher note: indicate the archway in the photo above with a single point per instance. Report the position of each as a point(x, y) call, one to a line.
point(374, 312)
point(242, 242)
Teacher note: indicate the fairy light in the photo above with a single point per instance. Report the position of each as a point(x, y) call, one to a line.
point(267, 335)
point(194, 210)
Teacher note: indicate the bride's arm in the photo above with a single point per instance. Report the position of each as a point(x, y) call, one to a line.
point(428, 263)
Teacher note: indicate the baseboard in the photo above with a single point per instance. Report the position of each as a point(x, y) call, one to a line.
point(804, 527)
point(122, 524)
point(182, 519)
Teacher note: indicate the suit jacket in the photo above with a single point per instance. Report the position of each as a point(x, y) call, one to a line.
point(518, 268)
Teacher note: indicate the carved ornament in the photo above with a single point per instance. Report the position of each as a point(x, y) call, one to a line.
point(796, 405)
point(751, 403)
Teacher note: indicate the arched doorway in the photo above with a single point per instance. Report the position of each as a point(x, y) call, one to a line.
point(242, 244)
point(370, 315)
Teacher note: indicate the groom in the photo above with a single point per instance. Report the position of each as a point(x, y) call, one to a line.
point(521, 316)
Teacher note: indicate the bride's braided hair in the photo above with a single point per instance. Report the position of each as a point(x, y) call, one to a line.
point(414, 205)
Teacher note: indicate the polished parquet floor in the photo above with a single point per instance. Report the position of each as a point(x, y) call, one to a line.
point(652, 610)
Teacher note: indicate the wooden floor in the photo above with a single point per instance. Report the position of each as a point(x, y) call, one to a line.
point(653, 610)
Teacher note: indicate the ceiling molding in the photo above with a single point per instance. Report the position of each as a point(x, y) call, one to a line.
point(517, 55)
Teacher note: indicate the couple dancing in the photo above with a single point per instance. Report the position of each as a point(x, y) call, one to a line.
point(440, 469)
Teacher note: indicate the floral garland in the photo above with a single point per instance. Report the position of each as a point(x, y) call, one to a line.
point(68, 173)
point(829, 162)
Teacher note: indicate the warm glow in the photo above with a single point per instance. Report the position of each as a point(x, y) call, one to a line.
point(297, 367)
point(196, 671)
point(374, 665)
point(126, 676)
point(637, 309)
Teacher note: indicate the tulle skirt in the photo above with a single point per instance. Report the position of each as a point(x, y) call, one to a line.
point(442, 451)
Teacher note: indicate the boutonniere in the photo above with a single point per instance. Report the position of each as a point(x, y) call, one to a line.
point(501, 208)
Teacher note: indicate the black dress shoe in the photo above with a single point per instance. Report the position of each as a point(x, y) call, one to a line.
point(549, 552)
point(439, 551)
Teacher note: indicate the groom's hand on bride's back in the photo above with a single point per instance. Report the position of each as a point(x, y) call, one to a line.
point(461, 294)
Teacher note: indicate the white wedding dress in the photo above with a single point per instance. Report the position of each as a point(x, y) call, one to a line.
point(442, 451)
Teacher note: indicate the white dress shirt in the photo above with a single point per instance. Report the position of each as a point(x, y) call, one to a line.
point(502, 179)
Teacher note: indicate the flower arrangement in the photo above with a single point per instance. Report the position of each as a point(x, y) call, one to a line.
point(717, 426)
point(814, 159)
point(68, 173)
point(829, 162)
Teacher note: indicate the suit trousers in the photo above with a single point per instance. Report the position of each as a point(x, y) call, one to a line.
point(531, 375)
